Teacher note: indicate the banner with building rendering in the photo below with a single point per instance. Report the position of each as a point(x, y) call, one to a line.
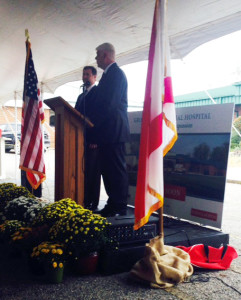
point(196, 167)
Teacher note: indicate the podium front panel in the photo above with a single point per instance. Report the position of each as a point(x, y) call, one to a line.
point(69, 161)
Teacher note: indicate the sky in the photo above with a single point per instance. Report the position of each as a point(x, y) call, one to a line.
point(211, 65)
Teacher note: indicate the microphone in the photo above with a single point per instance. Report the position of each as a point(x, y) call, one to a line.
point(86, 84)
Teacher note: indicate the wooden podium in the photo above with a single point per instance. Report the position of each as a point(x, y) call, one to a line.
point(69, 150)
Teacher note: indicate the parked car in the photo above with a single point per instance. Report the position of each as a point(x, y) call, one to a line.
point(8, 132)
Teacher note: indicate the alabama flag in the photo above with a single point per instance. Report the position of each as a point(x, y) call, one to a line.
point(158, 132)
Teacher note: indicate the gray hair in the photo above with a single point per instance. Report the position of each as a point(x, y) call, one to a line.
point(107, 47)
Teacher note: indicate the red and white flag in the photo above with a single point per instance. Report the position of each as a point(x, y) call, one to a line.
point(158, 131)
point(32, 150)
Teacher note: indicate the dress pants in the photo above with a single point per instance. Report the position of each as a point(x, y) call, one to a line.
point(92, 178)
point(115, 177)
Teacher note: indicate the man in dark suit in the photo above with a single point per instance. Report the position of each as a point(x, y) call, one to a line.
point(84, 105)
point(111, 129)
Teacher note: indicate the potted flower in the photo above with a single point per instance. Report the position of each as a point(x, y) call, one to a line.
point(7, 229)
point(51, 256)
point(53, 212)
point(28, 237)
point(84, 235)
point(23, 208)
point(10, 191)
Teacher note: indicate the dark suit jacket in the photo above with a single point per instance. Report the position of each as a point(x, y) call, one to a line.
point(85, 107)
point(110, 112)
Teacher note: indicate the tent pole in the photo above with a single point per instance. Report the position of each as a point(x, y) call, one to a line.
point(16, 134)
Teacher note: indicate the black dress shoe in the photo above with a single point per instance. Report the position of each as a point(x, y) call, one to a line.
point(120, 214)
point(107, 212)
point(88, 207)
point(91, 207)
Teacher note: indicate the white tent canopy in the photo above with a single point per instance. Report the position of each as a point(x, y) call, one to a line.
point(64, 34)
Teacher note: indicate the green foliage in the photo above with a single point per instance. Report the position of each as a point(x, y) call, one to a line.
point(237, 123)
point(235, 138)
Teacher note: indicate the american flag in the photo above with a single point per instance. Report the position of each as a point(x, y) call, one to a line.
point(32, 150)
point(158, 131)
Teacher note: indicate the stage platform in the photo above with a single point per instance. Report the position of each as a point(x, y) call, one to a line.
point(132, 243)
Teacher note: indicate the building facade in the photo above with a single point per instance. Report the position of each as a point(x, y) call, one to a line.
point(227, 94)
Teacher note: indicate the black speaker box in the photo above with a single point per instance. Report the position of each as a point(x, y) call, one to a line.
point(132, 243)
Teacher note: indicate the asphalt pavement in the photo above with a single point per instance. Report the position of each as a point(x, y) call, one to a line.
point(203, 284)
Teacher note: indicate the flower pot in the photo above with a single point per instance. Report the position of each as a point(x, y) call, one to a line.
point(36, 267)
point(86, 265)
point(4, 248)
point(54, 275)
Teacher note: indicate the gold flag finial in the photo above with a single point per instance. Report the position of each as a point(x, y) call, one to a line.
point(27, 35)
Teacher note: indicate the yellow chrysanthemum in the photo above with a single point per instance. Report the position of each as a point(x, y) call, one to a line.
point(55, 264)
point(59, 251)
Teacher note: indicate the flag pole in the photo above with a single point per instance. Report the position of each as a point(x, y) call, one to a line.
point(27, 35)
point(161, 229)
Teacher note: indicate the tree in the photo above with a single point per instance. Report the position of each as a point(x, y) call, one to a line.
point(220, 153)
point(237, 123)
point(235, 138)
point(201, 152)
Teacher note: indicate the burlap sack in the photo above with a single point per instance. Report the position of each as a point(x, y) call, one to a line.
point(162, 266)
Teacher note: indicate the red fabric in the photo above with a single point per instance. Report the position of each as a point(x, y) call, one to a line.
point(158, 130)
point(214, 260)
point(32, 154)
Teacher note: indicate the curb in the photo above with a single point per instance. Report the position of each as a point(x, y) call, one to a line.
point(233, 181)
